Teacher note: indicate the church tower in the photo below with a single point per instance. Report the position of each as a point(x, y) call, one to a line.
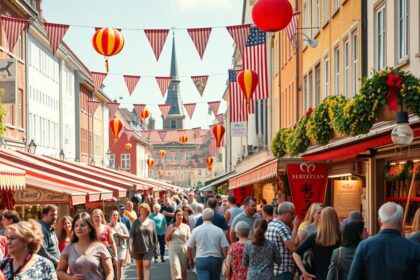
point(176, 116)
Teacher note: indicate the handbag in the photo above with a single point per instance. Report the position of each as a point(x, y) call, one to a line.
point(308, 261)
point(226, 269)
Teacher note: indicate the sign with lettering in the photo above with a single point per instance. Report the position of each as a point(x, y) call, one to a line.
point(8, 80)
point(238, 129)
point(308, 183)
point(347, 196)
point(34, 195)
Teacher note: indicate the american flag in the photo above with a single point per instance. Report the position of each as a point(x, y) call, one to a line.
point(239, 34)
point(55, 34)
point(292, 27)
point(255, 59)
point(200, 37)
point(157, 38)
point(13, 27)
point(131, 82)
point(237, 102)
point(98, 79)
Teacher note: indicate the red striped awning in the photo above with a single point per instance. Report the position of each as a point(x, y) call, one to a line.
point(257, 174)
point(11, 178)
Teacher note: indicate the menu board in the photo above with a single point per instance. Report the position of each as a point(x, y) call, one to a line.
point(347, 196)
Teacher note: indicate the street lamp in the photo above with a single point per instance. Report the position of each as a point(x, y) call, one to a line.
point(402, 134)
point(313, 43)
point(32, 147)
point(61, 155)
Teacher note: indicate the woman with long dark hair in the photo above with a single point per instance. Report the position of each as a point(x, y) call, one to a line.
point(64, 232)
point(260, 254)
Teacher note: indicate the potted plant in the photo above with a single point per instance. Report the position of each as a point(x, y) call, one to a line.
point(298, 141)
point(319, 127)
point(278, 146)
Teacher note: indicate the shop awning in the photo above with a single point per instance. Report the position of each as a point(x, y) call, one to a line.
point(353, 149)
point(11, 178)
point(258, 173)
point(218, 181)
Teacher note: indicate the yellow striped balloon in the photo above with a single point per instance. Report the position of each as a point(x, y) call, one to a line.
point(107, 42)
point(248, 81)
point(115, 125)
point(218, 132)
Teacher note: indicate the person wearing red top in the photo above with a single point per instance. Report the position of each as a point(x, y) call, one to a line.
point(233, 260)
point(64, 232)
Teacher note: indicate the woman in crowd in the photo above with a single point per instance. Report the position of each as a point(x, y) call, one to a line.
point(64, 232)
point(178, 234)
point(415, 234)
point(85, 257)
point(8, 217)
point(326, 238)
point(120, 233)
point(260, 254)
point(342, 257)
point(24, 241)
point(187, 213)
point(236, 250)
point(143, 241)
point(309, 224)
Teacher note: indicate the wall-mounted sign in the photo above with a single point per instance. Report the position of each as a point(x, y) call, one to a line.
point(8, 80)
point(347, 196)
point(34, 195)
point(238, 129)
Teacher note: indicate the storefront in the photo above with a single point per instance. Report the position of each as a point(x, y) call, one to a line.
point(11, 179)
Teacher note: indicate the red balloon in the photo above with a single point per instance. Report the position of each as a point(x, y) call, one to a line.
point(272, 15)
point(218, 131)
point(115, 125)
point(209, 161)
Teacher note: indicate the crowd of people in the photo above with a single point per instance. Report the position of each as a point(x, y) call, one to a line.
point(211, 237)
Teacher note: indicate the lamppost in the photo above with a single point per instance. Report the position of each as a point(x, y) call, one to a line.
point(32, 147)
point(402, 133)
point(61, 155)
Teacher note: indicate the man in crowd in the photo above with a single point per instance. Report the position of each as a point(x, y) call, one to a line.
point(249, 215)
point(218, 219)
point(168, 210)
point(198, 211)
point(210, 246)
point(267, 213)
point(123, 218)
point(161, 226)
point(49, 248)
point(388, 255)
point(283, 237)
point(233, 210)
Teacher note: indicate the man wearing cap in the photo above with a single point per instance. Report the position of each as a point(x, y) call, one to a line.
point(123, 218)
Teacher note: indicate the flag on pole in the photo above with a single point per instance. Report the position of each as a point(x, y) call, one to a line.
point(164, 108)
point(55, 34)
point(239, 34)
point(291, 29)
point(13, 27)
point(131, 82)
point(98, 78)
point(214, 106)
point(163, 83)
point(200, 37)
point(200, 83)
point(255, 59)
point(190, 107)
point(157, 38)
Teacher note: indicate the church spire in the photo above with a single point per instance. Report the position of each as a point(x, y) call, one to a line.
point(174, 66)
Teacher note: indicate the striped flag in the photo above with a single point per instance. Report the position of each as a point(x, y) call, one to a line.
point(98, 79)
point(239, 34)
point(190, 107)
point(291, 29)
point(157, 38)
point(131, 82)
point(163, 83)
point(162, 134)
point(92, 106)
point(200, 37)
point(13, 27)
point(164, 108)
point(237, 102)
point(214, 106)
point(219, 118)
point(139, 108)
point(113, 107)
point(255, 59)
point(55, 34)
point(200, 83)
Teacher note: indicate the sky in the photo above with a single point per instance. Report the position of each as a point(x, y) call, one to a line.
point(137, 57)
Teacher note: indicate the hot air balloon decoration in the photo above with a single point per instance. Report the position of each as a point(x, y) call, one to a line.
point(162, 153)
point(145, 114)
point(115, 125)
point(107, 42)
point(218, 132)
point(272, 15)
point(183, 139)
point(209, 162)
point(128, 146)
point(150, 163)
point(248, 81)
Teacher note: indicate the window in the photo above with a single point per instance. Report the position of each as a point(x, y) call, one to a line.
point(346, 60)
point(317, 14)
point(355, 63)
point(310, 89)
point(173, 124)
point(402, 29)
point(9, 114)
point(326, 76)
point(111, 161)
point(125, 161)
point(325, 10)
point(317, 85)
point(336, 71)
point(380, 38)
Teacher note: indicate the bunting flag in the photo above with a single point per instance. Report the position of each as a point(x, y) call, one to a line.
point(200, 83)
point(200, 37)
point(181, 132)
point(255, 58)
point(237, 102)
point(98, 79)
point(214, 106)
point(239, 34)
point(219, 118)
point(131, 82)
point(92, 106)
point(163, 83)
point(55, 34)
point(164, 108)
point(113, 107)
point(291, 29)
point(190, 107)
point(139, 108)
point(157, 38)
point(13, 27)
point(162, 134)
point(129, 133)
point(196, 132)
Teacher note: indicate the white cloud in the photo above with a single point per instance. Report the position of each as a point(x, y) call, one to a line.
point(202, 5)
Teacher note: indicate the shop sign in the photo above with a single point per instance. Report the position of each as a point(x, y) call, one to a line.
point(33, 195)
point(308, 182)
point(241, 193)
point(8, 80)
point(238, 129)
point(347, 196)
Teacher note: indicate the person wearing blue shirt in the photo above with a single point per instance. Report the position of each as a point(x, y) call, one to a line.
point(123, 218)
point(218, 219)
point(388, 255)
point(161, 226)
